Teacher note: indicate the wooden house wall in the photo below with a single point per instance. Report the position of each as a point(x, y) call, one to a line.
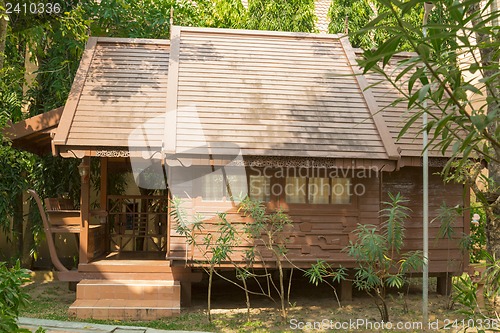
point(322, 231)
point(318, 232)
point(444, 254)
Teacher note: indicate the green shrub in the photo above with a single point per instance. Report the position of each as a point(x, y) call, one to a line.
point(477, 238)
point(12, 296)
point(380, 258)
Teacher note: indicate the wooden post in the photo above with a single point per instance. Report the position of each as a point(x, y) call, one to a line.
point(104, 184)
point(103, 202)
point(85, 209)
point(444, 286)
point(346, 290)
point(186, 293)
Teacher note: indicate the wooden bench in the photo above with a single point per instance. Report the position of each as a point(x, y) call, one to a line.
point(62, 217)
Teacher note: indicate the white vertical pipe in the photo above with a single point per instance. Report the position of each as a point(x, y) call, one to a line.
point(425, 200)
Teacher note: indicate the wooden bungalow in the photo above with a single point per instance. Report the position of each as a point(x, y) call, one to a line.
point(287, 108)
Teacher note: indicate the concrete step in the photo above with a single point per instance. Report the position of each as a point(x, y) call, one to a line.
point(113, 309)
point(124, 266)
point(129, 290)
point(126, 299)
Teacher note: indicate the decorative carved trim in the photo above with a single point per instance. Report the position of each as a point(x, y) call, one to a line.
point(112, 153)
point(287, 161)
point(437, 162)
point(309, 162)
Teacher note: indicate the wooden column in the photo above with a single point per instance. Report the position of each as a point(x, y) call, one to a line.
point(186, 293)
point(346, 290)
point(85, 209)
point(104, 184)
point(444, 284)
point(103, 201)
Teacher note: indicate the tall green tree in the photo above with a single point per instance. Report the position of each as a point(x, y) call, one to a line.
point(453, 71)
point(290, 15)
point(353, 15)
point(55, 44)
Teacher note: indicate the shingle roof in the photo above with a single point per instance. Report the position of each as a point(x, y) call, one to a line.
point(120, 83)
point(397, 116)
point(280, 94)
point(269, 93)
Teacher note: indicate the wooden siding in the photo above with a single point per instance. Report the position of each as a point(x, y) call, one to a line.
point(444, 254)
point(271, 94)
point(322, 231)
point(125, 87)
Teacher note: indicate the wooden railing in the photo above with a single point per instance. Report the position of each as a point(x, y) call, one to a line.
point(138, 223)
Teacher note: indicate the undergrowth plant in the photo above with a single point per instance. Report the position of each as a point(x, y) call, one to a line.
point(12, 297)
point(270, 230)
point(477, 304)
point(264, 232)
point(378, 252)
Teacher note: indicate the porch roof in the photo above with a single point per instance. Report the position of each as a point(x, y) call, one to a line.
point(34, 134)
point(120, 84)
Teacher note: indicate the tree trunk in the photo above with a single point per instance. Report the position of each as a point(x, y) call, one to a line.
point(209, 297)
point(28, 241)
point(3, 33)
point(17, 224)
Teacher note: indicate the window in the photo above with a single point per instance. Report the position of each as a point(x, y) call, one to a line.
point(295, 190)
point(260, 188)
point(216, 186)
point(320, 190)
point(341, 191)
point(213, 187)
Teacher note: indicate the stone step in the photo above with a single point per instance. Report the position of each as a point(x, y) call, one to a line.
point(118, 309)
point(124, 266)
point(128, 289)
point(126, 299)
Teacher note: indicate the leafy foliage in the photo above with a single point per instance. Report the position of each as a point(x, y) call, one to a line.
point(452, 77)
point(378, 254)
point(222, 13)
point(291, 15)
point(14, 168)
point(12, 296)
point(140, 19)
point(465, 294)
point(354, 15)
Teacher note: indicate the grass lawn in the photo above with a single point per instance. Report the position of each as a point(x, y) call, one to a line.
point(313, 305)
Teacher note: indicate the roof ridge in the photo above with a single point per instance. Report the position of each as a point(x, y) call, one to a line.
point(76, 90)
point(268, 33)
point(393, 152)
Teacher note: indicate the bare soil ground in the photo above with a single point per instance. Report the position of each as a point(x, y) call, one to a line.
point(312, 309)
